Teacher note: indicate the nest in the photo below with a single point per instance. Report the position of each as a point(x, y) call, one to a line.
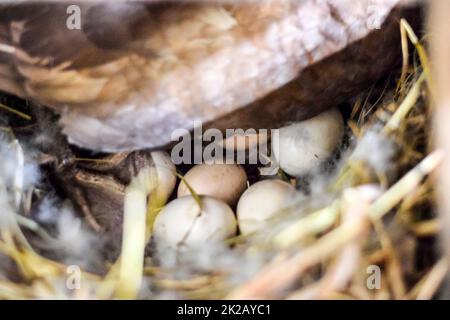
point(366, 230)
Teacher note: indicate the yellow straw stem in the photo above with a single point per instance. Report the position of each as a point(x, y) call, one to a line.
point(406, 106)
point(16, 112)
point(134, 234)
point(405, 185)
point(420, 51)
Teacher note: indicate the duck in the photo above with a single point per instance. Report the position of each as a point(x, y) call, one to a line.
point(125, 75)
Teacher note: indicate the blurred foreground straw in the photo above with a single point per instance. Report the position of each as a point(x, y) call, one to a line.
point(439, 33)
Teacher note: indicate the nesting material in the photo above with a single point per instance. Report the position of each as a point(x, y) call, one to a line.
point(225, 182)
point(301, 147)
point(341, 240)
point(186, 223)
point(262, 202)
point(156, 183)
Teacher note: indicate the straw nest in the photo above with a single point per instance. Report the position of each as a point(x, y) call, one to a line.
point(370, 233)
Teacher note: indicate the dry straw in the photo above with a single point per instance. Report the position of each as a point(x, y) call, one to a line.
point(375, 218)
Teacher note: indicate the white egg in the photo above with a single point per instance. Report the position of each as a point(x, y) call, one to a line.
point(183, 223)
point(225, 182)
point(262, 202)
point(301, 147)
